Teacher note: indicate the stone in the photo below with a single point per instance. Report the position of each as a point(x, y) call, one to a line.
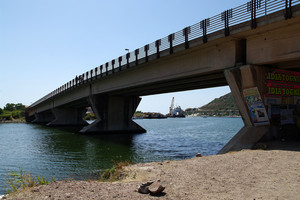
point(198, 155)
point(143, 189)
point(156, 188)
point(35, 190)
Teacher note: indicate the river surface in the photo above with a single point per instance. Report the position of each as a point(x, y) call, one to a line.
point(50, 152)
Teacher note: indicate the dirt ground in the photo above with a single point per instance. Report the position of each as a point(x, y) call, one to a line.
point(250, 174)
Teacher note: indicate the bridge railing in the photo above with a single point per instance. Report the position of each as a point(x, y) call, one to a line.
point(246, 13)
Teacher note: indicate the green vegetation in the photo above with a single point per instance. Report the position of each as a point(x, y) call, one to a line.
point(89, 116)
point(20, 180)
point(223, 106)
point(114, 173)
point(12, 111)
point(139, 114)
point(148, 115)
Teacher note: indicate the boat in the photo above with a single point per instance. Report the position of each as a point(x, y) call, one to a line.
point(175, 112)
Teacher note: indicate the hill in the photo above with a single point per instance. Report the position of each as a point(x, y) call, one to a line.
point(223, 106)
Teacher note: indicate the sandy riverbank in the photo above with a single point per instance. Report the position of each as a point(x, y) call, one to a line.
point(272, 174)
point(13, 121)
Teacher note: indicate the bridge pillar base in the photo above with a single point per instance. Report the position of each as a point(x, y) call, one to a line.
point(246, 138)
point(114, 115)
point(68, 117)
point(239, 79)
point(43, 118)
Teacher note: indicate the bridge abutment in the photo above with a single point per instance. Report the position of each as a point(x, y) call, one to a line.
point(68, 117)
point(114, 114)
point(247, 85)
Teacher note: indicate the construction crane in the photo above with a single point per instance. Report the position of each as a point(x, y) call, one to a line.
point(172, 107)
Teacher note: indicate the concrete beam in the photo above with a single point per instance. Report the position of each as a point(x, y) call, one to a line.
point(114, 114)
point(275, 46)
point(68, 117)
point(43, 117)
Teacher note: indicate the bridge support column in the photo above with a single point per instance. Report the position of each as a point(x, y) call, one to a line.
point(43, 118)
point(239, 79)
point(68, 117)
point(114, 114)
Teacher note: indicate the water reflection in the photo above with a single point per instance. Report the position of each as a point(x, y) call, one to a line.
point(84, 151)
point(63, 154)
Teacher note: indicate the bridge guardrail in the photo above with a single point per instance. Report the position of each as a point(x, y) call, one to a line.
point(247, 12)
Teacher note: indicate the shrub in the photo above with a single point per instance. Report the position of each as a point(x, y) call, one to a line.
point(16, 114)
point(114, 173)
point(21, 180)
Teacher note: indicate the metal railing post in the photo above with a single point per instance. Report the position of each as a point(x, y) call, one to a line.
point(253, 13)
point(186, 31)
point(96, 70)
point(157, 44)
point(113, 65)
point(127, 58)
point(288, 9)
point(136, 52)
point(106, 69)
point(146, 49)
point(101, 69)
point(225, 17)
point(120, 62)
point(170, 40)
point(203, 26)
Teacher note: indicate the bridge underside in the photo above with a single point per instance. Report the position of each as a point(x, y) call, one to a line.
point(240, 60)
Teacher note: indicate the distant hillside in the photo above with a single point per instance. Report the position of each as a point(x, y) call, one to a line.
point(223, 106)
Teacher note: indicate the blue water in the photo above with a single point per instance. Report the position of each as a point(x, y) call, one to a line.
point(50, 152)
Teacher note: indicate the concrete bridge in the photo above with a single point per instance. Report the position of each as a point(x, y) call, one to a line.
point(237, 48)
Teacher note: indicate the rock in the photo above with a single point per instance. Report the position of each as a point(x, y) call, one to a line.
point(198, 155)
point(35, 190)
point(156, 188)
point(151, 187)
point(143, 189)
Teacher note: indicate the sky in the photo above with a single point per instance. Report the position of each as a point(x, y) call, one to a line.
point(44, 44)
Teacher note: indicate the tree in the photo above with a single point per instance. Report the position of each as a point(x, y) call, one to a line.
point(19, 106)
point(1, 111)
point(10, 107)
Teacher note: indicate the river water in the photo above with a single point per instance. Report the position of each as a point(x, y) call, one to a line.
point(50, 152)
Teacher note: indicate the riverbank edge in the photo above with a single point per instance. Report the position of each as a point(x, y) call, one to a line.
point(13, 121)
point(169, 171)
